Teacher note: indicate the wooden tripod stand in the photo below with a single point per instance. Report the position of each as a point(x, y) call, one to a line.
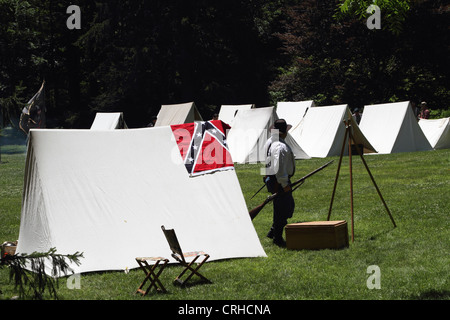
point(349, 134)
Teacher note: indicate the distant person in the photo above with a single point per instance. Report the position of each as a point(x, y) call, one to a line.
point(424, 111)
point(215, 116)
point(356, 115)
point(280, 167)
point(152, 122)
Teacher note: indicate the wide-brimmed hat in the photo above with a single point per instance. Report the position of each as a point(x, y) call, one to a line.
point(281, 125)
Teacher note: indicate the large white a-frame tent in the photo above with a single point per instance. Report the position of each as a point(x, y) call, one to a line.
point(227, 113)
point(107, 193)
point(171, 114)
point(322, 130)
point(249, 133)
point(392, 128)
point(108, 121)
point(437, 132)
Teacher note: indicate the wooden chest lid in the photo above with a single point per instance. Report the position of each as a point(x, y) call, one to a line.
point(316, 224)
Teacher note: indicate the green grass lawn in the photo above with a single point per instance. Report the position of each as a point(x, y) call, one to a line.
point(413, 259)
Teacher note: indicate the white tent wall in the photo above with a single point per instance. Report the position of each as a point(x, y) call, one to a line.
point(318, 131)
point(108, 121)
point(392, 128)
point(293, 111)
point(321, 131)
point(171, 114)
point(437, 132)
point(228, 112)
point(107, 193)
point(251, 129)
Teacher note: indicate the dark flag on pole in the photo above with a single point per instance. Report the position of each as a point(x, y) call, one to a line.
point(33, 114)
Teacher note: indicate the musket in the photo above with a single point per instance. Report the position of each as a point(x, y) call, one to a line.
point(258, 191)
point(254, 212)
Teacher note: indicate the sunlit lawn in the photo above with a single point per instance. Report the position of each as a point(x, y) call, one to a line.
point(413, 259)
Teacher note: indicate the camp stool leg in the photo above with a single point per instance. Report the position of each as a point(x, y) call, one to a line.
point(188, 266)
point(149, 271)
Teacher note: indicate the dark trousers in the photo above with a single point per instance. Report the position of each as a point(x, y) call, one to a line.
point(283, 209)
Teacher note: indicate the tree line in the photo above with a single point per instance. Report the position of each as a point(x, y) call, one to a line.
point(134, 56)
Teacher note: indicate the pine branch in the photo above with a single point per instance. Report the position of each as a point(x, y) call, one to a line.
point(37, 281)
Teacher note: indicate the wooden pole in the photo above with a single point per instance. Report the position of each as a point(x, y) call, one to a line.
point(374, 183)
point(337, 175)
point(350, 138)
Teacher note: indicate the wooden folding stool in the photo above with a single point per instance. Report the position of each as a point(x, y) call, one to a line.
point(150, 274)
point(179, 256)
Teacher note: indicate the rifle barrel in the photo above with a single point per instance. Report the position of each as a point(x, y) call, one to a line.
point(311, 173)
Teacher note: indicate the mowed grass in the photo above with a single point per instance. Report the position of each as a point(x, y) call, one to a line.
point(413, 258)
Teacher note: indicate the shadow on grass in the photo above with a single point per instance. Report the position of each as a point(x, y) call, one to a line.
point(381, 234)
point(434, 295)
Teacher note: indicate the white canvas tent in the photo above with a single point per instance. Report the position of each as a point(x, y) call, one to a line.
point(392, 128)
point(293, 111)
point(171, 114)
point(228, 112)
point(437, 132)
point(108, 121)
point(321, 131)
point(250, 131)
point(107, 193)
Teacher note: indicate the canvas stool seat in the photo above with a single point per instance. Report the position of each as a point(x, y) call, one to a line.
point(150, 275)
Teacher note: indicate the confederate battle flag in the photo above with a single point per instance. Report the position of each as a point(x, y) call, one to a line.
point(203, 146)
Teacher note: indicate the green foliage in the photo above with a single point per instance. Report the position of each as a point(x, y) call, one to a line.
point(394, 13)
point(30, 275)
point(439, 113)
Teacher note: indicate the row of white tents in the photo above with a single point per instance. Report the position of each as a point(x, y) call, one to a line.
point(317, 131)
